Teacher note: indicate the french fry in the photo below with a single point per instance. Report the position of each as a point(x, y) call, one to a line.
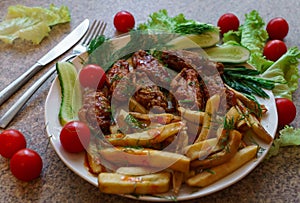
point(114, 183)
point(196, 117)
point(255, 108)
point(135, 170)
point(94, 164)
point(212, 106)
point(177, 180)
point(134, 106)
point(163, 118)
point(145, 138)
point(230, 147)
point(201, 149)
point(208, 177)
point(146, 158)
point(193, 130)
point(254, 123)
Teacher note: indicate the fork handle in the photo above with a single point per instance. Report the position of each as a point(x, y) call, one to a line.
point(16, 107)
point(8, 91)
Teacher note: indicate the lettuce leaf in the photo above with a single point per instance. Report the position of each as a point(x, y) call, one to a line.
point(251, 34)
point(287, 137)
point(285, 69)
point(31, 23)
point(179, 24)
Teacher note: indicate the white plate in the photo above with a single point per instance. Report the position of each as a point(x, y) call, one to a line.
point(76, 161)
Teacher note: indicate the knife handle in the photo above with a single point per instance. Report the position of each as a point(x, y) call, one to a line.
point(8, 91)
point(16, 107)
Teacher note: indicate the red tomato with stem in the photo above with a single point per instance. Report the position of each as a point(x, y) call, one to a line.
point(11, 141)
point(286, 110)
point(75, 136)
point(92, 76)
point(277, 28)
point(124, 21)
point(228, 21)
point(274, 49)
point(26, 164)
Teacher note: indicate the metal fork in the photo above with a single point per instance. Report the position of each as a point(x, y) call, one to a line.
point(97, 28)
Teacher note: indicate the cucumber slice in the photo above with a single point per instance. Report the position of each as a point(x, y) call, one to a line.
point(228, 53)
point(71, 98)
point(204, 40)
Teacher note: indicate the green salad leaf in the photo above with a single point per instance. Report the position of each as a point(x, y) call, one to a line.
point(31, 23)
point(287, 137)
point(285, 69)
point(251, 34)
point(178, 24)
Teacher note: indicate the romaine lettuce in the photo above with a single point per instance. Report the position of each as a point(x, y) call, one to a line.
point(287, 137)
point(285, 69)
point(179, 24)
point(31, 23)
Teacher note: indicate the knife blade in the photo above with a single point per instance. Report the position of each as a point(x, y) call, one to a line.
point(63, 46)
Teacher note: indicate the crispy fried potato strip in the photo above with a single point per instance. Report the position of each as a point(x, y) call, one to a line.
point(214, 174)
point(253, 123)
point(114, 183)
point(229, 143)
point(212, 106)
point(145, 138)
point(125, 156)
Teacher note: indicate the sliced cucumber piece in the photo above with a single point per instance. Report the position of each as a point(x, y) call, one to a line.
point(228, 53)
point(206, 39)
point(189, 41)
point(71, 98)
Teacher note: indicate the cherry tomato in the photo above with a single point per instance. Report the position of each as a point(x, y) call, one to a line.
point(228, 21)
point(11, 141)
point(274, 49)
point(26, 164)
point(75, 136)
point(124, 21)
point(92, 76)
point(277, 28)
point(286, 110)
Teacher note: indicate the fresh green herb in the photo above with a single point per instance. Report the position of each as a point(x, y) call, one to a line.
point(210, 171)
point(133, 122)
point(248, 81)
point(95, 43)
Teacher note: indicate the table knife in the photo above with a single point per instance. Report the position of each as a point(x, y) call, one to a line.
point(63, 46)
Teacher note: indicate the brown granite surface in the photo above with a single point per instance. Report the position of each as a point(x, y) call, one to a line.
point(275, 180)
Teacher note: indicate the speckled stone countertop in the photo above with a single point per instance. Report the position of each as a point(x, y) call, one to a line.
point(274, 180)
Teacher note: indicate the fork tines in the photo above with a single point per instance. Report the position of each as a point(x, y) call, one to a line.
point(97, 28)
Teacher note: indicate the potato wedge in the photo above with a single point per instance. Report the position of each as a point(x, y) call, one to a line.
point(230, 147)
point(206, 178)
point(201, 149)
point(208, 127)
point(114, 183)
point(95, 165)
point(134, 106)
point(146, 157)
point(254, 123)
point(145, 138)
point(177, 180)
point(254, 107)
point(193, 116)
point(162, 118)
point(135, 170)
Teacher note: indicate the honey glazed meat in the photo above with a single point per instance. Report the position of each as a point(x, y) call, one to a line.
point(147, 80)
